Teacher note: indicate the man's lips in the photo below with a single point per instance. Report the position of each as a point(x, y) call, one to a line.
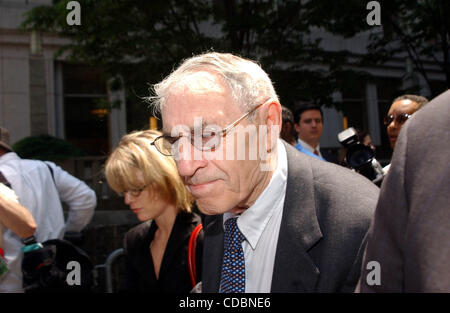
point(196, 189)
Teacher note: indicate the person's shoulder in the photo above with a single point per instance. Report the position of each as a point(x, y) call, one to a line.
point(299, 147)
point(436, 110)
point(33, 168)
point(138, 231)
point(432, 119)
point(335, 184)
point(31, 162)
point(329, 173)
point(340, 180)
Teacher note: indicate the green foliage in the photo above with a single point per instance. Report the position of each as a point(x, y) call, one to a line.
point(143, 40)
point(46, 148)
point(417, 29)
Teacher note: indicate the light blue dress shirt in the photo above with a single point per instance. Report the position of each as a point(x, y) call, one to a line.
point(300, 148)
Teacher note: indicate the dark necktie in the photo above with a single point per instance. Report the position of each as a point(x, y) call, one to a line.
point(233, 266)
point(316, 152)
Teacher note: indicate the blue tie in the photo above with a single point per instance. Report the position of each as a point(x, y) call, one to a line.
point(233, 266)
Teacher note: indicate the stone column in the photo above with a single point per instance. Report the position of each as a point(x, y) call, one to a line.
point(38, 90)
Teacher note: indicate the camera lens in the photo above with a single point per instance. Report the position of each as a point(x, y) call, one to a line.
point(358, 155)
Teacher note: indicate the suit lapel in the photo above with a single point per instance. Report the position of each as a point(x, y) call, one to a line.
point(294, 270)
point(212, 253)
point(182, 228)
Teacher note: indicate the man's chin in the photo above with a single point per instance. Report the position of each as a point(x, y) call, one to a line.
point(210, 207)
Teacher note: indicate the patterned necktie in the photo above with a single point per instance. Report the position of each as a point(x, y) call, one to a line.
point(233, 266)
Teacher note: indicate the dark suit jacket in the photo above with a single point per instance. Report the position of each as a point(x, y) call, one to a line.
point(174, 274)
point(326, 214)
point(410, 234)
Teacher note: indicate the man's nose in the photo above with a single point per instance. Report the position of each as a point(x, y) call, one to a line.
point(189, 159)
point(393, 125)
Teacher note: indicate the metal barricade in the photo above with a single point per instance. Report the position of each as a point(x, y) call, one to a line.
point(107, 267)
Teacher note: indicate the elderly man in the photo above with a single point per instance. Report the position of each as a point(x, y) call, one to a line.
point(278, 220)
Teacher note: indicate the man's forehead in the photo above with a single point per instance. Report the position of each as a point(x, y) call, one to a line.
point(404, 105)
point(200, 95)
point(310, 113)
point(176, 113)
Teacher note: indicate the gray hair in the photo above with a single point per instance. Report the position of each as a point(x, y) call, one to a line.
point(248, 83)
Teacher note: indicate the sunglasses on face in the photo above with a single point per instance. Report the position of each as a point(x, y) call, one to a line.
point(399, 119)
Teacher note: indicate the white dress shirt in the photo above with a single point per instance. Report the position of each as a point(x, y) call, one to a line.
point(310, 148)
point(260, 224)
point(31, 180)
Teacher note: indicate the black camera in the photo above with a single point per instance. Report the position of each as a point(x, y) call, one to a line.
point(360, 157)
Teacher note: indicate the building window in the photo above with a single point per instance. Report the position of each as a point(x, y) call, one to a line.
point(354, 105)
point(86, 116)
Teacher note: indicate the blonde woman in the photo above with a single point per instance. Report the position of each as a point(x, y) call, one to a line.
point(156, 250)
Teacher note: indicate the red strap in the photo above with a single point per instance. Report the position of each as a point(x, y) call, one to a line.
point(191, 254)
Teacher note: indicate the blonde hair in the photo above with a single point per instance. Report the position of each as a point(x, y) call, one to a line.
point(160, 174)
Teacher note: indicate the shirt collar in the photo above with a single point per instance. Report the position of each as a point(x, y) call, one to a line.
point(9, 156)
point(307, 146)
point(254, 220)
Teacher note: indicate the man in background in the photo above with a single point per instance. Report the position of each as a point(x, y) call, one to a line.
point(409, 236)
point(288, 132)
point(401, 110)
point(309, 125)
point(40, 187)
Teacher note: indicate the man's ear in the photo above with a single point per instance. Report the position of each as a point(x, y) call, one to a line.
point(297, 128)
point(273, 123)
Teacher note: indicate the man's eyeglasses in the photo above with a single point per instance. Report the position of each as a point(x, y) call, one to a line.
point(210, 137)
point(134, 192)
point(399, 119)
